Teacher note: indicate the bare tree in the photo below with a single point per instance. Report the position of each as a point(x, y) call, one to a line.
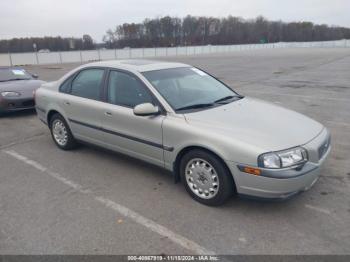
point(191, 30)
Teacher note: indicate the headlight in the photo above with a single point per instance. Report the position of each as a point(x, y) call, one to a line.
point(282, 159)
point(10, 94)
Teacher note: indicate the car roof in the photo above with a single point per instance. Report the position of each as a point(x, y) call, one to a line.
point(139, 65)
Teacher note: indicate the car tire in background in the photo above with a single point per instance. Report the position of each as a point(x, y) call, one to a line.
point(206, 178)
point(61, 133)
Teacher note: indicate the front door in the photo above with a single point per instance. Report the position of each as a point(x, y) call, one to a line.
point(138, 136)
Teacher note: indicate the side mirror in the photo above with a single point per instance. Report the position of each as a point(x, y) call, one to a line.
point(35, 76)
point(146, 109)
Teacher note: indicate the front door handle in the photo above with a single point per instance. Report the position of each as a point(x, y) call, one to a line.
point(108, 113)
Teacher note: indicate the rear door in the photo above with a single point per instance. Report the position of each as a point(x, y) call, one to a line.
point(139, 136)
point(83, 104)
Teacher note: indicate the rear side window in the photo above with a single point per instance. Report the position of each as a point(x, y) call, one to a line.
point(126, 90)
point(65, 87)
point(87, 84)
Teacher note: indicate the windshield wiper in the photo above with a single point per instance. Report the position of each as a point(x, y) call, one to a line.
point(195, 106)
point(228, 98)
point(204, 105)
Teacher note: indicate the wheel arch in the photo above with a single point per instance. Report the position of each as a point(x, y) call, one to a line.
point(50, 114)
point(71, 142)
point(183, 151)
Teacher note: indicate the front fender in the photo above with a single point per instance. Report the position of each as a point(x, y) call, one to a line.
point(180, 135)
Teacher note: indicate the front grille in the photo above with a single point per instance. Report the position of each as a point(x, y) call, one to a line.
point(28, 103)
point(324, 147)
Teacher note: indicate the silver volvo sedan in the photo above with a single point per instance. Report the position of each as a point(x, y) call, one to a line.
point(179, 117)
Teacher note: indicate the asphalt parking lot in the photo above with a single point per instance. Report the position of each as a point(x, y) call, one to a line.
point(90, 201)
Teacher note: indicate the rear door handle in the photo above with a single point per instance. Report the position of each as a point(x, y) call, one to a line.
point(108, 113)
point(67, 103)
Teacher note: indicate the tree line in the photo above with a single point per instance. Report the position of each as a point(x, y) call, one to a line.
point(173, 31)
point(191, 30)
point(58, 43)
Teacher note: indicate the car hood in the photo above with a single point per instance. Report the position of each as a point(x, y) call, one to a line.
point(25, 87)
point(259, 123)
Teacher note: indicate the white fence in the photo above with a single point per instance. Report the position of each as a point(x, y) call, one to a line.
point(95, 55)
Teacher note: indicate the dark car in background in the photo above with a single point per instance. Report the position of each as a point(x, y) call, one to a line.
point(17, 87)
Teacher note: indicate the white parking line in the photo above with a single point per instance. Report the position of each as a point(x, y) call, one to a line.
point(38, 166)
point(319, 209)
point(126, 212)
point(153, 226)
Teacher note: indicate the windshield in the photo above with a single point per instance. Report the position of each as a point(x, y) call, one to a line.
point(9, 74)
point(188, 87)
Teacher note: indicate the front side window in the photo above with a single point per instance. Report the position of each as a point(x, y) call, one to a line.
point(88, 83)
point(126, 90)
point(188, 86)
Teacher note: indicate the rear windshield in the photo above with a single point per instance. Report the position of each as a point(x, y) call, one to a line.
point(10, 74)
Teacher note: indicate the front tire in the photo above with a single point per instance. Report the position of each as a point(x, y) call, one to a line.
point(206, 178)
point(61, 133)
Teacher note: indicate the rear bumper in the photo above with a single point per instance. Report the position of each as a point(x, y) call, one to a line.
point(284, 183)
point(41, 113)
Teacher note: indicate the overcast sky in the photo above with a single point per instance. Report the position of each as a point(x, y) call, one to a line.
point(24, 18)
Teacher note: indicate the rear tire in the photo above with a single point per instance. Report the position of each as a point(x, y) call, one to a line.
point(206, 178)
point(61, 133)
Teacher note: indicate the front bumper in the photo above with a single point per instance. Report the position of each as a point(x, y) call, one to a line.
point(283, 183)
point(16, 104)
